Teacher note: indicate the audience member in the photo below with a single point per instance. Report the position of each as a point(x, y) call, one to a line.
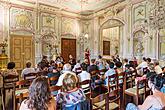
point(39, 96)
point(72, 61)
point(117, 58)
point(148, 60)
point(77, 67)
point(71, 94)
point(158, 69)
point(110, 72)
point(152, 102)
point(84, 75)
point(45, 60)
point(27, 70)
point(125, 63)
point(141, 66)
point(10, 69)
point(93, 66)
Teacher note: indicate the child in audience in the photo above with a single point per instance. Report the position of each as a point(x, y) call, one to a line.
point(39, 96)
point(155, 101)
point(71, 94)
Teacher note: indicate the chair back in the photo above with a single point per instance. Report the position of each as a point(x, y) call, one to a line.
point(94, 73)
point(130, 79)
point(53, 80)
point(112, 82)
point(102, 71)
point(9, 80)
point(78, 70)
point(30, 76)
point(86, 86)
point(141, 86)
point(54, 90)
point(121, 77)
point(99, 102)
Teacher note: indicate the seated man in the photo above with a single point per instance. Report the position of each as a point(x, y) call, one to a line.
point(84, 75)
point(77, 67)
point(110, 72)
point(28, 69)
point(93, 66)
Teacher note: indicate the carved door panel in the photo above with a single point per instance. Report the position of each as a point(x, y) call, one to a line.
point(106, 47)
point(28, 54)
point(16, 51)
point(68, 46)
point(21, 50)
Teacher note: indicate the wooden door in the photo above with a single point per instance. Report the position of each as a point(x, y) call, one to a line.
point(21, 50)
point(68, 47)
point(106, 47)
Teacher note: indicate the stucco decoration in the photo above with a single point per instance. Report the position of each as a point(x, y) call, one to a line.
point(69, 26)
point(138, 43)
point(139, 13)
point(47, 23)
point(21, 19)
point(49, 41)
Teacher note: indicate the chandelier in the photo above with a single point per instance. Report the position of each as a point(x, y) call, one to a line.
point(157, 14)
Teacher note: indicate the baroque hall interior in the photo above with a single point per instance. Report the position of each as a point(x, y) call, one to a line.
point(67, 33)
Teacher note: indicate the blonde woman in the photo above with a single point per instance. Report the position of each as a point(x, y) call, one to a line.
point(71, 95)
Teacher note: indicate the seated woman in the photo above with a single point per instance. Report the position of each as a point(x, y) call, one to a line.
point(10, 69)
point(152, 102)
point(39, 96)
point(71, 95)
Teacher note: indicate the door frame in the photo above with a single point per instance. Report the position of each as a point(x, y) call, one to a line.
point(33, 48)
point(75, 45)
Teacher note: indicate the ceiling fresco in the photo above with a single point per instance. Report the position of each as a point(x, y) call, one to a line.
point(78, 5)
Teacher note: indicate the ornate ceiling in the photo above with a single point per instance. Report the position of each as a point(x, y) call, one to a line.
point(79, 5)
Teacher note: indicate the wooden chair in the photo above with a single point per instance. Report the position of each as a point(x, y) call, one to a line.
point(53, 80)
point(136, 91)
point(100, 102)
point(20, 92)
point(94, 77)
point(78, 70)
point(55, 89)
point(102, 71)
point(114, 91)
point(86, 86)
point(8, 84)
point(30, 76)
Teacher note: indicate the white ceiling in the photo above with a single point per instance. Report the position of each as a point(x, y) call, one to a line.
point(78, 5)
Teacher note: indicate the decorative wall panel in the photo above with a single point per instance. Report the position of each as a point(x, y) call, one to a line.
point(69, 26)
point(48, 22)
point(21, 19)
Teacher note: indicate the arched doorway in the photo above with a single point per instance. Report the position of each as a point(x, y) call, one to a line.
point(111, 34)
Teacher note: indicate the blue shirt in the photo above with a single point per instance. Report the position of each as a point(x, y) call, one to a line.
point(109, 73)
